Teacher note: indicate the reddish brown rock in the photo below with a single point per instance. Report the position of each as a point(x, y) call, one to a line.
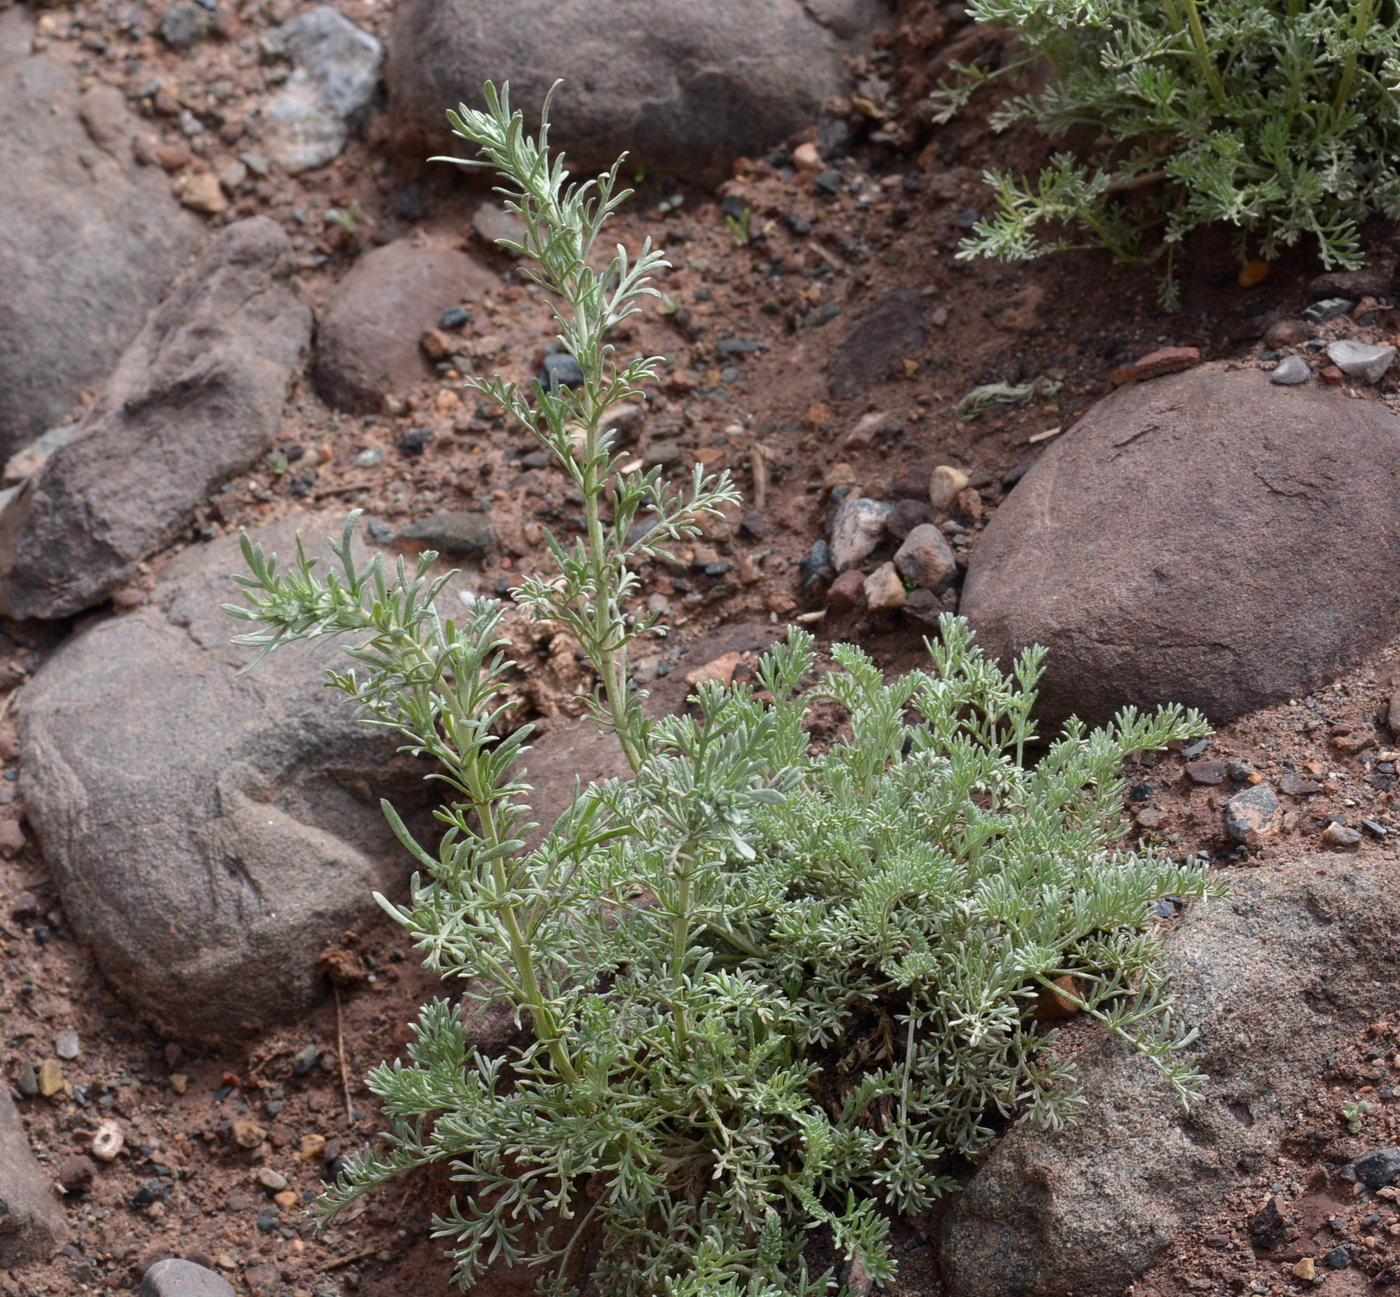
point(1206, 772)
point(1287, 333)
point(846, 591)
point(925, 559)
point(368, 343)
point(1165, 360)
point(1252, 814)
point(1155, 547)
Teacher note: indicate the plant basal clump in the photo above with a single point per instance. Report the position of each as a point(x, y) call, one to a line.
point(1279, 118)
point(773, 992)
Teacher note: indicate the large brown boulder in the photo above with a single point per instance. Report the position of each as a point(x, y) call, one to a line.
point(1294, 964)
point(211, 832)
point(31, 1222)
point(197, 398)
point(683, 87)
point(367, 346)
point(88, 240)
point(1207, 538)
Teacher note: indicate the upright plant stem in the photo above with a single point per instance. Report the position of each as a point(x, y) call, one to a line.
point(612, 656)
point(1364, 9)
point(546, 1025)
point(1204, 60)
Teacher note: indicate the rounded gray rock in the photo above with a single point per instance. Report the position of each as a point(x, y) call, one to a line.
point(1195, 539)
point(176, 1278)
point(1289, 968)
point(1290, 371)
point(210, 832)
point(367, 346)
point(682, 87)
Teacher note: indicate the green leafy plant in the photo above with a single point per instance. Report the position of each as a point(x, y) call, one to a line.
point(771, 989)
point(1354, 1114)
point(739, 227)
point(1280, 118)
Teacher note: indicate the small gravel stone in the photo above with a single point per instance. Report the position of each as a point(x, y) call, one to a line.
point(1361, 360)
point(371, 457)
point(816, 565)
point(75, 1173)
point(150, 1191)
point(1339, 835)
point(1290, 371)
point(846, 591)
point(922, 609)
point(247, 1134)
point(272, 1180)
point(925, 559)
point(1297, 786)
point(414, 440)
point(67, 1045)
point(856, 530)
point(1327, 309)
point(1206, 772)
point(182, 25)
point(174, 1277)
point(945, 484)
point(305, 1059)
point(560, 369)
point(1337, 1259)
point(904, 516)
point(1379, 1168)
point(200, 191)
point(107, 1141)
point(454, 317)
point(462, 533)
point(884, 591)
point(50, 1078)
point(1287, 333)
point(1251, 814)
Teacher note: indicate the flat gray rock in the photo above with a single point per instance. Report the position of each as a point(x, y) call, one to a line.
point(1296, 962)
point(1206, 538)
point(88, 240)
point(197, 398)
point(210, 833)
point(31, 1221)
point(683, 87)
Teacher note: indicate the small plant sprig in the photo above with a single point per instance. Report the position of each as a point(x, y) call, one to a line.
point(562, 222)
point(772, 991)
point(1280, 119)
